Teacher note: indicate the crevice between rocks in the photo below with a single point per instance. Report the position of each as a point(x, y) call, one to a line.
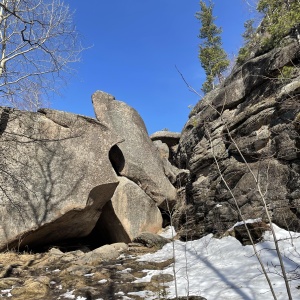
point(72, 231)
point(4, 120)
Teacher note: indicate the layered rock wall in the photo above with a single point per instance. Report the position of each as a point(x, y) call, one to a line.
point(244, 135)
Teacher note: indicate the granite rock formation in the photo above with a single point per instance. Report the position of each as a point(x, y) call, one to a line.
point(135, 158)
point(66, 177)
point(51, 184)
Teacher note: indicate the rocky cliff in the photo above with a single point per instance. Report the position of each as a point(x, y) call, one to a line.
point(244, 135)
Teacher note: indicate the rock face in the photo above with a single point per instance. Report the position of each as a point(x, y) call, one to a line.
point(130, 212)
point(248, 131)
point(256, 230)
point(151, 240)
point(55, 176)
point(135, 158)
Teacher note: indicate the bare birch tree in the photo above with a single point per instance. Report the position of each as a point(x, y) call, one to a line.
point(38, 41)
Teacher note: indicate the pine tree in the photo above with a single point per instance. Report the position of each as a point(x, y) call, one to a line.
point(250, 42)
point(249, 31)
point(280, 16)
point(212, 56)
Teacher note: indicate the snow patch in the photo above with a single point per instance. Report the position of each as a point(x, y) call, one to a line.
point(120, 293)
point(249, 221)
point(224, 269)
point(6, 292)
point(56, 271)
point(149, 275)
point(125, 271)
point(144, 295)
point(168, 232)
point(68, 295)
point(102, 281)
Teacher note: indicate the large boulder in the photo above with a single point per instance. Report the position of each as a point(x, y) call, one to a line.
point(169, 139)
point(56, 176)
point(104, 253)
point(129, 213)
point(135, 157)
point(151, 240)
point(250, 122)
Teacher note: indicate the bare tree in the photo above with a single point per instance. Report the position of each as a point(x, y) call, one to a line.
point(38, 42)
point(251, 4)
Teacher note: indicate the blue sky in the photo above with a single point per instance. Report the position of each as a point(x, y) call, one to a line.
point(135, 45)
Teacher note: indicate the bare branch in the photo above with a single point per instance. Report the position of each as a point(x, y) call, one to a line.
point(38, 41)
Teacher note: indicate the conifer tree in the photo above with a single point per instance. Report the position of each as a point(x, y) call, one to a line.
point(280, 16)
point(212, 56)
point(250, 42)
point(249, 31)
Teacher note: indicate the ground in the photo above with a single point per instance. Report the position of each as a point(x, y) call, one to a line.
point(213, 268)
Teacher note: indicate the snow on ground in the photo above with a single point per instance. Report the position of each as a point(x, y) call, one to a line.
point(168, 232)
point(224, 269)
point(249, 221)
point(144, 294)
point(5, 292)
point(69, 295)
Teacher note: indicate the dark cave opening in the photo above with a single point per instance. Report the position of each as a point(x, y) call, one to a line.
point(107, 230)
point(167, 217)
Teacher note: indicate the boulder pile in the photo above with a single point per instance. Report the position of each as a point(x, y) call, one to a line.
point(66, 177)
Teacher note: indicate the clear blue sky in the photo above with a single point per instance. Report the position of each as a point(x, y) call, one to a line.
point(135, 47)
